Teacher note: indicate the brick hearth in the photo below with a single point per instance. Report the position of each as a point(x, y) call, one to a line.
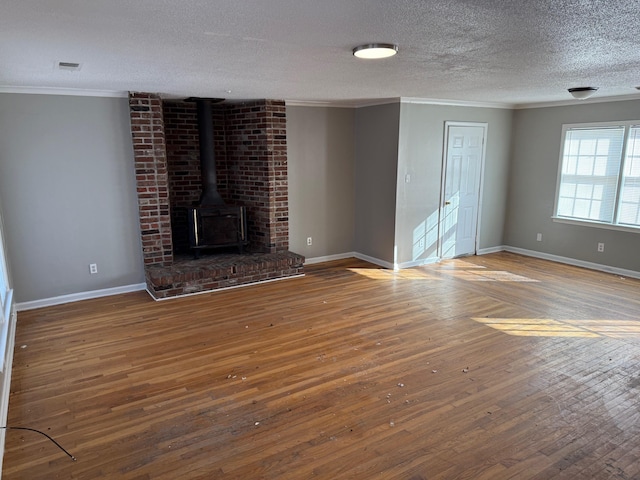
point(251, 159)
point(187, 275)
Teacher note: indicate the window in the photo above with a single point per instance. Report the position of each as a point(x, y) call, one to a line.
point(599, 177)
point(5, 304)
point(4, 281)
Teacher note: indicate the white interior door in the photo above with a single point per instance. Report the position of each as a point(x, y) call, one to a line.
point(464, 160)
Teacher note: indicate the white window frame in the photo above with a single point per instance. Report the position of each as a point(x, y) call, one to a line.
point(594, 223)
point(5, 291)
point(6, 302)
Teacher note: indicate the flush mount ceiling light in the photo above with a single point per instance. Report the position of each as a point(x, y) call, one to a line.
point(582, 92)
point(375, 50)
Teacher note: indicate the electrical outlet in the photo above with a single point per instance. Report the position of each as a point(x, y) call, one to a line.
point(601, 247)
point(309, 241)
point(93, 268)
point(421, 243)
point(539, 237)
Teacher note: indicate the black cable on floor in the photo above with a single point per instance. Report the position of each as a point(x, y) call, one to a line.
point(42, 433)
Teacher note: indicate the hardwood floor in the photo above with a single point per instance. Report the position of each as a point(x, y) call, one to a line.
point(490, 367)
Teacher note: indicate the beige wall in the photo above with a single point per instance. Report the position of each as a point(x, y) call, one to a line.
point(62, 159)
point(67, 189)
point(534, 172)
point(375, 187)
point(320, 145)
point(347, 170)
point(422, 130)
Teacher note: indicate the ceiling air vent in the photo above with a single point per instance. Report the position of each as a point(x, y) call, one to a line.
point(68, 66)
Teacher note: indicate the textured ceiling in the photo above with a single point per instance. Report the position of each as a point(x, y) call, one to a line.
point(508, 52)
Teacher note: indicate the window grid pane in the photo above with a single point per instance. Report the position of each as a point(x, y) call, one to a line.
point(589, 173)
point(630, 192)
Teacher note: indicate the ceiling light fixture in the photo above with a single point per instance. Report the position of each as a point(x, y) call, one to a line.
point(375, 50)
point(582, 92)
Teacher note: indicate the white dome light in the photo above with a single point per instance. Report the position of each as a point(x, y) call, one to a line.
point(375, 50)
point(582, 92)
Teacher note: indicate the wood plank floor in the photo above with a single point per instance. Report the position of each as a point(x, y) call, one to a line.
point(490, 367)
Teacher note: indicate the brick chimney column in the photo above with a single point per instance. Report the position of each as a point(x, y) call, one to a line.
point(147, 132)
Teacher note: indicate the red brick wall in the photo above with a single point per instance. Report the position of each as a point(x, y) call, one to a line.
point(147, 131)
point(279, 204)
point(257, 156)
point(251, 157)
point(183, 159)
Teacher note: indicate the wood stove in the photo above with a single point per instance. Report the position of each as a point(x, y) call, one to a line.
point(212, 223)
point(217, 226)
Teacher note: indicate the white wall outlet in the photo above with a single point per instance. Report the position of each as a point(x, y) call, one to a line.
point(93, 268)
point(539, 237)
point(601, 247)
point(309, 241)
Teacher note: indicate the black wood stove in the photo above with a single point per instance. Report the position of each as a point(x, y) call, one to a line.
point(212, 223)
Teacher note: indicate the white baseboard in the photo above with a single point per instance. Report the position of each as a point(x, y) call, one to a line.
point(486, 251)
point(47, 302)
point(76, 297)
point(375, 261)
point(329, 258)
point(342, 256)
point(572, 261)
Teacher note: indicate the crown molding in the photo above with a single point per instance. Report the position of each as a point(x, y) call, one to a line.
point(459, 103)
point(369, 102)
point(573, 102)
point(456, 103)
point(63, 91)
point(356, 103)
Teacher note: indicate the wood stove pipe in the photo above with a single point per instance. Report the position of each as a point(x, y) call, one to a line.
point(210, 195)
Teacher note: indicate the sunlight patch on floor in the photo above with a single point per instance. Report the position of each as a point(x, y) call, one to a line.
point(478, 273)
point(458, 264)
point(547, 327)
point(461, 270)
point(384, 274)
point(610, 328)
point(489, 276)
point(415, 274)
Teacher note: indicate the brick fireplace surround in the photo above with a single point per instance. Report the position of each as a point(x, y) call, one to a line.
point(251, 163)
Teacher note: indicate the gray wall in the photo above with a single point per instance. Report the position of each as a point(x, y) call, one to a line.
point(67, 189)
point(320, 150)
point(535, 159)
point(422, 129)
point(376, 145)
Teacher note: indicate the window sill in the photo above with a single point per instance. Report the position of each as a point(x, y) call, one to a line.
point(587, 223)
